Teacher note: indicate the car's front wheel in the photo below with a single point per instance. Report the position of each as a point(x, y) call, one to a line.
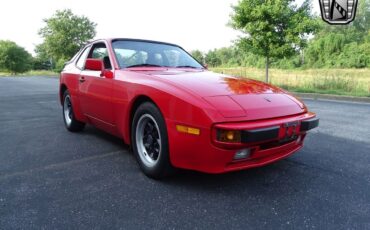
point(70, 121)
point(150, 142)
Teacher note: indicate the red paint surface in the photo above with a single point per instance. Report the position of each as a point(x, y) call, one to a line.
point(197, 98)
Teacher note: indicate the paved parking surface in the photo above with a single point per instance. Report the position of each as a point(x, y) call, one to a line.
point(53, 179)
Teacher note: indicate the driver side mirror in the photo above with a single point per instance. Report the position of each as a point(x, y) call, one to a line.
point(94, 64)
point(98, 65)
point(205, 65)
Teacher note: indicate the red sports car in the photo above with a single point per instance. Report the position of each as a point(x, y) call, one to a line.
point(177, 114)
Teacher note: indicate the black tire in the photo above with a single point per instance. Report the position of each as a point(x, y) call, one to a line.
point(152, 156)
point(69, 119)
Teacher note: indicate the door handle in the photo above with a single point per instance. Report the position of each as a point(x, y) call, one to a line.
point(82, 79)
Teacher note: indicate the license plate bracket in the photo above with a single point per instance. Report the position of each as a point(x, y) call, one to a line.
point(290, 130)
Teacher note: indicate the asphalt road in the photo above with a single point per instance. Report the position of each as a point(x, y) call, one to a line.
point(54, 179)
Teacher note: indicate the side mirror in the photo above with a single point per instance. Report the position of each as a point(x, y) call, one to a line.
point(205, 66)
point(98, 65)
point(94, 64)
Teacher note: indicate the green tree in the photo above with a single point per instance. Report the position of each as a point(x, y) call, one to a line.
point(14, 58)
point(64, 34)
point(212, 58)
point(197, 54)
point(42, 61)
point(273, 28)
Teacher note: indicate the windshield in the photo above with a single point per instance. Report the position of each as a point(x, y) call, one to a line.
point(143, 53)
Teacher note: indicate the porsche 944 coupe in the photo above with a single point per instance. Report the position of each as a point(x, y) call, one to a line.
point(175, 113)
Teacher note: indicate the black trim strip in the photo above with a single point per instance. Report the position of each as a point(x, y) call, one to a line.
point(257, 135)
point(309, 124)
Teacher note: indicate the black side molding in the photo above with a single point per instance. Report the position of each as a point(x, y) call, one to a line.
point(257, 135)
point(309, 124)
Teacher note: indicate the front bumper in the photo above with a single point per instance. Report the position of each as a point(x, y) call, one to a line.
point(269, 133)
point(269, 140)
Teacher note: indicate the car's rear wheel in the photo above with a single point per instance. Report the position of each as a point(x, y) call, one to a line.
point(70, 121)
point(150, 142)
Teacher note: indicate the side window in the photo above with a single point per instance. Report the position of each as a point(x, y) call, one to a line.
point(99, 51)
point(82, 59)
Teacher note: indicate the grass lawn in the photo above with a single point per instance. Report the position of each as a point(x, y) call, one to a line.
point(32, 73)
point(352, 82)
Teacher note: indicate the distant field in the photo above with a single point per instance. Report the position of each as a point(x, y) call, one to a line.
point(32, 73)
point(353, 82)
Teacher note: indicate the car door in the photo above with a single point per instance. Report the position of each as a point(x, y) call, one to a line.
point(96, 91)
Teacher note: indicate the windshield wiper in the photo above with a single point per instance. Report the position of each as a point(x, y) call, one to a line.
point(143, 65)
point(188, 66)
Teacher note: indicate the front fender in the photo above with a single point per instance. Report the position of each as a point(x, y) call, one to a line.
point(175, 104)
point(70, 82)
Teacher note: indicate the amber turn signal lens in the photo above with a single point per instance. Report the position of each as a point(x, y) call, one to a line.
point(232, 136)
point(186, 129)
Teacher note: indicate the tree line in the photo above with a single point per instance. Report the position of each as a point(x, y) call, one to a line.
point(277, 33)
point(340, 46)
point(63, 35)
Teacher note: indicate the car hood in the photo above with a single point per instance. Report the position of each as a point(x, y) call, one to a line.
point(206, 83)
point(233, 96)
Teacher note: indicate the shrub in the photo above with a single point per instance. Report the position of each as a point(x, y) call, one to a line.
point(14, 58)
